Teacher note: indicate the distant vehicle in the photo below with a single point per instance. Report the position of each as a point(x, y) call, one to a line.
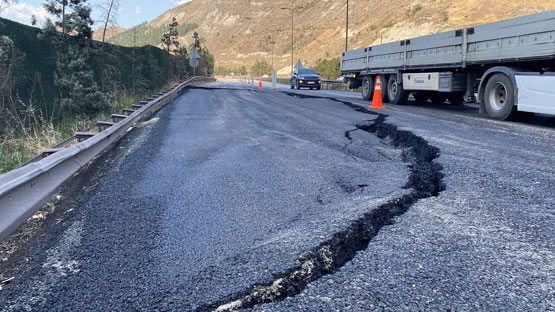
point(505, 66)
point(306, 78)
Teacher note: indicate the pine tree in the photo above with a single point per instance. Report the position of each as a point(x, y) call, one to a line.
point(169, 39)
point(183, 66)
point(71, 33)
point(206, 67)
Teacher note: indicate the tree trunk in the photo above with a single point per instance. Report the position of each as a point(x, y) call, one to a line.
point(168, 65)
point(102, 56)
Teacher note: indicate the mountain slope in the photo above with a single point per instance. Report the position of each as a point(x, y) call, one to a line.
point(236, 31)
point(110, 32)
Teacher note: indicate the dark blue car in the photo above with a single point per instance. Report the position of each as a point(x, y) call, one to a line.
point(306, 78)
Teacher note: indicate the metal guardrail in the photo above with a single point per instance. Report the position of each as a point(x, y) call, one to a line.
point(326, 84)
point(25, 190)
point(334, 85)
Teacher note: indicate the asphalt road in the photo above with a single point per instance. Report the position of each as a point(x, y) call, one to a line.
point(238, 198)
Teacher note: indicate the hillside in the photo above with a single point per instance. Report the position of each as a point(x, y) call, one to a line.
point(110, 32)
point(236, 31)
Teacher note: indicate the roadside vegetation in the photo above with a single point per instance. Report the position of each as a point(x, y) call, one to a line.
point(329, 69)
point(30, 131)
point(261, 68)
point(235, 71)
point(56, 80)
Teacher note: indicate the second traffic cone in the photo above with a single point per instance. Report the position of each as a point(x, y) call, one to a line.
point(260, 84)
point(377, 100)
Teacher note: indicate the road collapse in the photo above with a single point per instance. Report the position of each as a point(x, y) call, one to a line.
point(425, 181)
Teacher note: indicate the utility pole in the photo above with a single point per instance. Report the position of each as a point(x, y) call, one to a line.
point(292, 35)
point(347, 29)
point(292, 41)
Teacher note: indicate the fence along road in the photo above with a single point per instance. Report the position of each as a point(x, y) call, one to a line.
point(25, 190)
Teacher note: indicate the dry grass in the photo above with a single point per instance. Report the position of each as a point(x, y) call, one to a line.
point(29, 132)
point(21, 143)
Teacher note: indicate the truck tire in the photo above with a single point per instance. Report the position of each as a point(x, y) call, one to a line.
point(499, 99)
point(395, 92)
point(367, 88)
point(383, 80)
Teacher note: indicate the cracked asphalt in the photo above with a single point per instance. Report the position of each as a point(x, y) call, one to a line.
point(230, 187)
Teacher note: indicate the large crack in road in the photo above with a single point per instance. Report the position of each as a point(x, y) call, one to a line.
point(181, 258)
point(425, 181)
point(255, 200)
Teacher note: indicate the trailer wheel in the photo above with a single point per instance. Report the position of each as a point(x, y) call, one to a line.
point(499, 98)
point(383, 80)
point(367, 88)
point(395, 92)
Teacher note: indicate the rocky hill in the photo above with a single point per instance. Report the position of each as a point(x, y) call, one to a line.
point(110, 32)
point(237, 31)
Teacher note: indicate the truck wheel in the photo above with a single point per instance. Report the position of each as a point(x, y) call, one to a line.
point(383, 80)
point(498, 98)
point(395, 92)
point(367, 88)
point(456, 98)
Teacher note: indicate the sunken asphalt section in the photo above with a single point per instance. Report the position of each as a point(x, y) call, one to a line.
point(232, 198)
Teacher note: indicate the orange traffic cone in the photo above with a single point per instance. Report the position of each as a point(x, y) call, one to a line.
point(260, 84)
point(377, 100)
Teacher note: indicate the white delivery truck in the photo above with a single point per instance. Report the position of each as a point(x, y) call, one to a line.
point(507, 66)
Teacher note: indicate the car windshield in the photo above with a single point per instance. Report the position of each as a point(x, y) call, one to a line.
point(307, 71)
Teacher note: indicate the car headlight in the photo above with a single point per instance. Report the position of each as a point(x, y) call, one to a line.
point(301, 81)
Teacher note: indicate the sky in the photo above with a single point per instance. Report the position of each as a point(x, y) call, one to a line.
point(131, 12)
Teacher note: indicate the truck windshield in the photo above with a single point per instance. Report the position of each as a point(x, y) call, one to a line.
point(307, 71)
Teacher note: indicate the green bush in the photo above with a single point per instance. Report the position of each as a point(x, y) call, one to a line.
point(34, 75)
point(329, 69)
point(261, 68)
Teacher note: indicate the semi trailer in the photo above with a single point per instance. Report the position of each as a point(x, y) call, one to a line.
point(507, 66)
